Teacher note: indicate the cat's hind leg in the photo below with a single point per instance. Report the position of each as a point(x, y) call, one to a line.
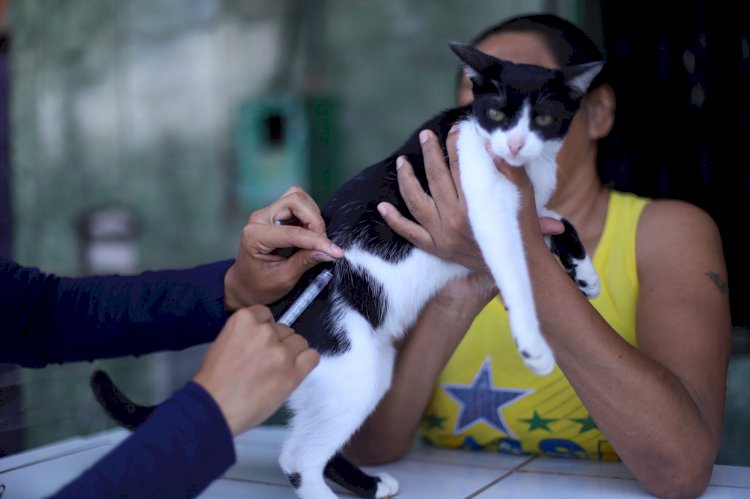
point(330, 405)
point(353, 479)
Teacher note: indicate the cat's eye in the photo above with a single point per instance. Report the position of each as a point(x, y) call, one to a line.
point(543, 119)
point(495, 114)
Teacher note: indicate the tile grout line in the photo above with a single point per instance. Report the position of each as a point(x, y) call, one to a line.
point(585, 475)
point(501, 477)
point(486, 466)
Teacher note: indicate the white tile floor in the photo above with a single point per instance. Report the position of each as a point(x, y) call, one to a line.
point(424, 473)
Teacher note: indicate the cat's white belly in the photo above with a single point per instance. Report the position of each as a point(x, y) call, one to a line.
point(409, 284)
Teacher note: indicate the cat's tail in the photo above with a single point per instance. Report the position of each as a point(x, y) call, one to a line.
point(120, 408)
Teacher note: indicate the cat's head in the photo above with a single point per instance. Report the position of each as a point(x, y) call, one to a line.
point(523, 111)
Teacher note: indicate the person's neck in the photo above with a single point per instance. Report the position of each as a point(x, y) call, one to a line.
point(581, 198)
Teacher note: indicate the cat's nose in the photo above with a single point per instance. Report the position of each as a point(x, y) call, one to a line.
point(515, 146)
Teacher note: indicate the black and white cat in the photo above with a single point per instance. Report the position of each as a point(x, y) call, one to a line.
point(378, 289)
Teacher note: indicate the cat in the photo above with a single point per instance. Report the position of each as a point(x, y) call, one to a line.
point(378, 289)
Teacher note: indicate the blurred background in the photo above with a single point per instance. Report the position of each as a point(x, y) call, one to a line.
point(140, 134)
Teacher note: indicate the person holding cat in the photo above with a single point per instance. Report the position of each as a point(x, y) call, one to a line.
point(247, 373)
point(641, 369)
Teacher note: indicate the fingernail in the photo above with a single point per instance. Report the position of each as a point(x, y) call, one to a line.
point(399, 162)
point(424, 136)
point(336, 249)
point(383, 209)
point(322, 257)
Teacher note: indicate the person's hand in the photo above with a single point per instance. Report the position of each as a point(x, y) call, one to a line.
point(253, 366)
point(469, 294)
point(528, 216)
point(261, 274)
point(443, 225)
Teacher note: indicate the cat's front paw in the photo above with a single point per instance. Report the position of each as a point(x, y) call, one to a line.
point(387, 486)
point(590, 290)
point(586, 279)
point(538, 357)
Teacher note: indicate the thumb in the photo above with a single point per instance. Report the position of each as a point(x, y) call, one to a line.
point(550, 226)
point(303, 260)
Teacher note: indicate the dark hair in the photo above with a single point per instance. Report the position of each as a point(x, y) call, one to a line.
point(567, 43)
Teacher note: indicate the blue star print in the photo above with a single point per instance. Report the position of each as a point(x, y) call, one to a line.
point(480, 402)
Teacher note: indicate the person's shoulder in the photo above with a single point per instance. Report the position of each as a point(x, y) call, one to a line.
point(679, 215)
point(670, 227)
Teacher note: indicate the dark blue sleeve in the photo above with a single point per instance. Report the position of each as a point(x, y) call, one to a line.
point(47, 319)
point(177, 452)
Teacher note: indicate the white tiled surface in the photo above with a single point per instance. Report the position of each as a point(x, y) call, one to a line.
point(424, 473)
point(40, 472)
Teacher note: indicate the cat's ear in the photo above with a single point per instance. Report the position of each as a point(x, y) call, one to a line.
point(476, 62)
point(580, 76)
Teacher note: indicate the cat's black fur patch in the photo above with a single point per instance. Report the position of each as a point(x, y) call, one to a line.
point(567, 246)
point(351, 215)
point(546, 88)
point(339, 470)
point(315, 322)
point(295, 480)
point(361, 293)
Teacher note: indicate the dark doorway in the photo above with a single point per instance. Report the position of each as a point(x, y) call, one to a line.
point(682, 73)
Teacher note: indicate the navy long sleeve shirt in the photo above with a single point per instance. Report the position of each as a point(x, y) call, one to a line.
point(186, 442)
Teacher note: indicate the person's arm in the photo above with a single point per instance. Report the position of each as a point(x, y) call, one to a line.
point(180, 449)
point(248, 372)
point(48, 319)
point(660, 405)
point(250, 369)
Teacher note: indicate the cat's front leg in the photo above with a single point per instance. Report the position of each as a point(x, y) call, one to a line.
point(573, 257)
point(493, 203)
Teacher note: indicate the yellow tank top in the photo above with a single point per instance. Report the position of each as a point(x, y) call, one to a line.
point(486, 398)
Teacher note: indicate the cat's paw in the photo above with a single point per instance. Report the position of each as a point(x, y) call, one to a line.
point(538, 357)
point(586, 279)
point(387, 486)
point(589, 289)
